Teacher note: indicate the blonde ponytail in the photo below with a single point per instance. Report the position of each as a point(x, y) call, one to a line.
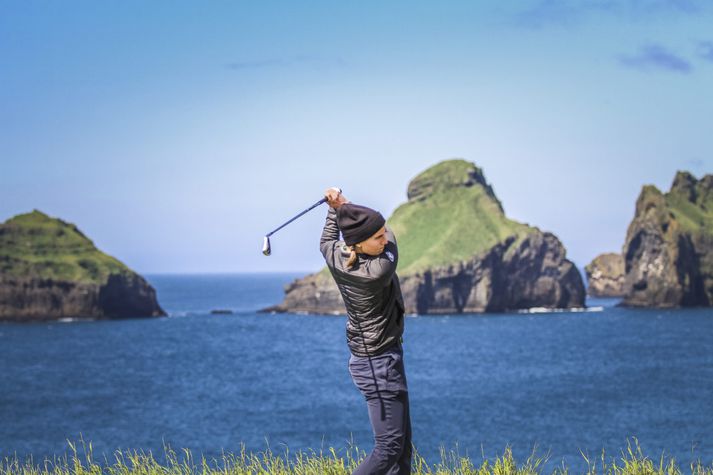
point(352, 257)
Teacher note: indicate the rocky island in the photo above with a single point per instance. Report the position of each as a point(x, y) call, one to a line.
point(605, 276)
point(49, 270)
point(668, 252)
point(459, 253)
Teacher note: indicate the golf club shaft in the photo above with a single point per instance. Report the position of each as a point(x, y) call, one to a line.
point(323, 200)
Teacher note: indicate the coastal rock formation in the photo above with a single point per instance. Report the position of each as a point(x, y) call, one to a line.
point(669, 245)
point(514, 274)
point(50, 270)
point(460, 253)
point(605, 276)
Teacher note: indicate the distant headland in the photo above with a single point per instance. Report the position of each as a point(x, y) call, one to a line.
point(667, 257)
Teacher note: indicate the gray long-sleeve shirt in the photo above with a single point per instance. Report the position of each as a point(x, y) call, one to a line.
point(370, 290)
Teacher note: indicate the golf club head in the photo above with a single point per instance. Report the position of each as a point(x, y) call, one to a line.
point(266, 246)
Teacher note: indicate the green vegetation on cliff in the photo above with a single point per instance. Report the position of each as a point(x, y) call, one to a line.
point(452, 214)
point(691, 202)
point(34, 245)
point(687, 207)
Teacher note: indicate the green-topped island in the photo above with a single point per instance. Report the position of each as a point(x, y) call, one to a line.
point(49, 270)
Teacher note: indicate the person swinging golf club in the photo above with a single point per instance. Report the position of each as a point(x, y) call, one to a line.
point(363, 265)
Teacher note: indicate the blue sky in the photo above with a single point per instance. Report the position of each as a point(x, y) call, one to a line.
point(176, 134)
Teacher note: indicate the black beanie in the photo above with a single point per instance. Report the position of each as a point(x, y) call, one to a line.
point(358, 223)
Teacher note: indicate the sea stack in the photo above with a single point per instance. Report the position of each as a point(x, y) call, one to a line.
point(605, 276)
point(459, 253)
point(669, 245)
point(49, 270)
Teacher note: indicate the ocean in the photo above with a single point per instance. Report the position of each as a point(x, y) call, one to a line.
point(561, 384)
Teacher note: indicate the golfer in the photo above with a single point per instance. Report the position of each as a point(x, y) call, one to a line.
point(364, 267)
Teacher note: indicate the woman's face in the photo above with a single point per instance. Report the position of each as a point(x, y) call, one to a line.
point(374, 246)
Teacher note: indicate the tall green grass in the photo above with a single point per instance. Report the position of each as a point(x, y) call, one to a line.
point(81, 461)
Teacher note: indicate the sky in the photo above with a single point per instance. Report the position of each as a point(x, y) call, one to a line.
point(177, 134)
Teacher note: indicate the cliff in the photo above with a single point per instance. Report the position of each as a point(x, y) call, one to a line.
point(50, 270)
point(460, 253)
point(669, 245)
point(605, 276)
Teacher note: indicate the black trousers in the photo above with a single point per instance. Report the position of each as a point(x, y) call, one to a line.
point(382, 381)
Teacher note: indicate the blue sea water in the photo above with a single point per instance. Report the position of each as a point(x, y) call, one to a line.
point(564, 383)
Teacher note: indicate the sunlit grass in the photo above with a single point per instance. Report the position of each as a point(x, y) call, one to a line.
point(81, 461)
point(34, 245)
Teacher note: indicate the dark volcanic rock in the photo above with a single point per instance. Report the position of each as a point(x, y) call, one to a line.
point(669, 245)
point(315, 293)
point(121, 296)
point(480, 262)
point(515, 274)
point(605, 275)
point(50, 270)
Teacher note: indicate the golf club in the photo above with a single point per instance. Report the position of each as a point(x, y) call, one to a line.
point(266, 248)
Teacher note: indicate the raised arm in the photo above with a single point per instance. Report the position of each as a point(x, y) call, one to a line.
point(330, 233)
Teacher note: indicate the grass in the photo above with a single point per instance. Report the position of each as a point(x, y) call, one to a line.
point(454, 223)
point(694, 217)
point(81, 461)
point(691, 217)
point(38, 246)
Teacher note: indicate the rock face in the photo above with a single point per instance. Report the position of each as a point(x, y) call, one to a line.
point(514, 274)
point(50, 270)
point(669, 245)
point(605, 275)
point(460, 253)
